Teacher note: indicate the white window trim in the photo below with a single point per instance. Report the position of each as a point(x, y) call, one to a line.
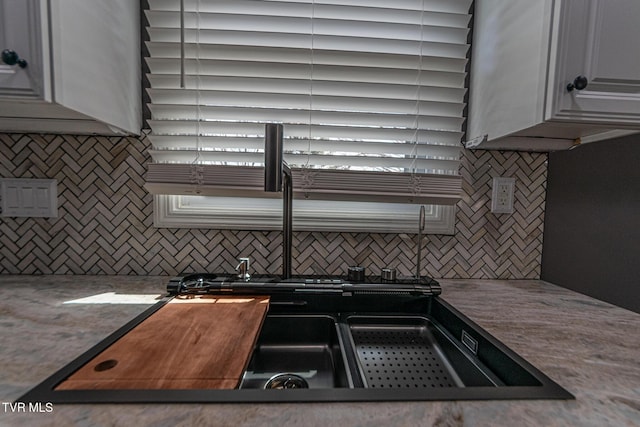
point(173, 211)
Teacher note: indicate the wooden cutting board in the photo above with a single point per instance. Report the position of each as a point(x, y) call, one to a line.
point(195, 342)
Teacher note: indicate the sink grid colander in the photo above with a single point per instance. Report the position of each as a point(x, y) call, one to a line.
point(400, 357)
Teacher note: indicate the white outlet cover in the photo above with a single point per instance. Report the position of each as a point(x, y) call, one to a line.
point(26, 197)
point(502, 195)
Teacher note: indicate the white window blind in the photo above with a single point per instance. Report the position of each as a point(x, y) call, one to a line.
point(370, 92)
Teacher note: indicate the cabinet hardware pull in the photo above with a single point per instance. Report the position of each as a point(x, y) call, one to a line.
point(10, 57)
point(578, 83)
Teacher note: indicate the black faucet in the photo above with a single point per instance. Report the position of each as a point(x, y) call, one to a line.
point(277, 175)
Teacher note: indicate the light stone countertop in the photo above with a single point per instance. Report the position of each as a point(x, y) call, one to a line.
point(589, 347)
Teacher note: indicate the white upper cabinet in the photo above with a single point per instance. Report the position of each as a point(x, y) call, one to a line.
point(547, 74)
point(78, 68)
point(599, 40)
point(19, 77)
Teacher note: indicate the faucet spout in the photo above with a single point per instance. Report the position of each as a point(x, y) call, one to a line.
point(273, 159)
point(277, 175)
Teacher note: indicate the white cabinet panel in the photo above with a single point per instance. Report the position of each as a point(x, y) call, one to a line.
point(525, 53)
point(599, 40)
point(21, 35)
point(83, 73)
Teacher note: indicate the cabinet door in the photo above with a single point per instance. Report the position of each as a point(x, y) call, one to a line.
point(600, 40)
point(20, 32)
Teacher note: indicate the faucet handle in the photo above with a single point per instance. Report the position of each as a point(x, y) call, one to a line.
point(243, 269)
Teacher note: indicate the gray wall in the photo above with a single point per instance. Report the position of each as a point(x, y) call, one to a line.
point(592, 221)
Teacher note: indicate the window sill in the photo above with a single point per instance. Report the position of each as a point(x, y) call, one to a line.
point(308, 215)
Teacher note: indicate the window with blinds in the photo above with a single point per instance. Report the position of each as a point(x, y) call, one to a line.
point(370, 92)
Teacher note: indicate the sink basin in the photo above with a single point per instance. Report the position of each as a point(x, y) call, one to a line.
point(306, 348)
point(331, 341)
point(415, 354)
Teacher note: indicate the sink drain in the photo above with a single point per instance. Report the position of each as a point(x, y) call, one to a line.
point(282, 381)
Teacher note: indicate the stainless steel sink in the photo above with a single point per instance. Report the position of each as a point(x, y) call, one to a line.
point(302, 351)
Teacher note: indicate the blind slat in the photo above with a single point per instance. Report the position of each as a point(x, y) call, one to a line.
point(348, 26)
point(320, 42)
point(167, 60)
point(338, 73)
point(248, 114)
point(345, 134)
point(288, 101)
point(187, 143)
point(319, 161)
point(436, 6)
point(318, 87)
point(341, 10)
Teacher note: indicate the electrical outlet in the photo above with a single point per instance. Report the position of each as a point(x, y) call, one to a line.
point(502, 195)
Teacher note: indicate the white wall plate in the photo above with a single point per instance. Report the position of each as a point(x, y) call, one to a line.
point(25, 197)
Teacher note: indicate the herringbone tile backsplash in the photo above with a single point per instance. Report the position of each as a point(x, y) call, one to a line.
point(105, 222)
